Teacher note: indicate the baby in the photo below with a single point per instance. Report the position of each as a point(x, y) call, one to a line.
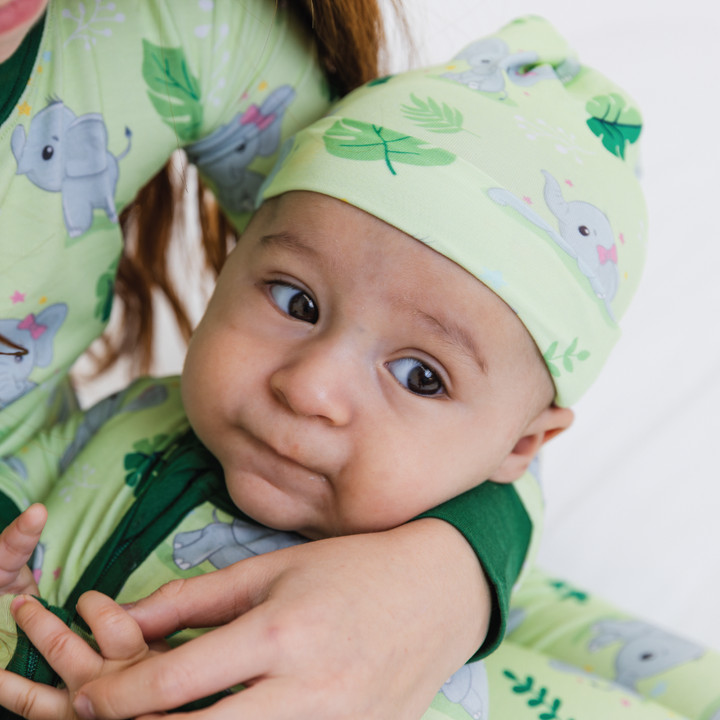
point(430, 281)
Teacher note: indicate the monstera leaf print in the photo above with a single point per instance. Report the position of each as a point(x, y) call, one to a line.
point(615, 123)
point(432, 116)
point(355, 140)
point(105, 292)
point(173, 89)
point(139, 464)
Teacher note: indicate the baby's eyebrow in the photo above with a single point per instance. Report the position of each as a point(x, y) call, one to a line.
point(288, 241)
point(455, 335)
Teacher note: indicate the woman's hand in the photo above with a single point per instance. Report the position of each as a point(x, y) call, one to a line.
point(365, 626)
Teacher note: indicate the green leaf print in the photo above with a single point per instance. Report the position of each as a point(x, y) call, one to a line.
point(140, 463)
point(613, 122)
point(568, 592)
point(173, 89)
point(105, 292)
point(380, 80)
point(566, 357)
point(355, 140)
point(525, 687)
point(433, 117)
point(540, 697)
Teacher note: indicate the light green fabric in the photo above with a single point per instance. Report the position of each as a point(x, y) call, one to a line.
point(513, 161)
point(590, 639)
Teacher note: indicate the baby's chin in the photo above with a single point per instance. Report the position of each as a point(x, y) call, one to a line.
point(264, 503)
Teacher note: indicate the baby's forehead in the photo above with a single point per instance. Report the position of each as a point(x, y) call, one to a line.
point(366, 258)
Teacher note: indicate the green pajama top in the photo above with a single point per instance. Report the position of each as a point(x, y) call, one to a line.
point(91, 106)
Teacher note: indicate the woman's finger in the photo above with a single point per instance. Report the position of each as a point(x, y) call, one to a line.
point(272, 699)
point(33, 700)
point(209, 600)
point(118, 636)
point(67, 653)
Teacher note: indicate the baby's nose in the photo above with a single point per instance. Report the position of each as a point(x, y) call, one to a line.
point(317, 382)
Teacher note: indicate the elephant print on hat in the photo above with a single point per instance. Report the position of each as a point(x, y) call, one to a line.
point(469, 687)
point(584, 233)
point(226, 543)
point(68, 154)
point(225, 155)
point(646, 650)
point(488, 58)
point(34, 333)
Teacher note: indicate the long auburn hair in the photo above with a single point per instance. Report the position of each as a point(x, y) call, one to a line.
point(351, 41)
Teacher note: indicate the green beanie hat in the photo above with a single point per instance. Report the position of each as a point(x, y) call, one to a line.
point(515, 162)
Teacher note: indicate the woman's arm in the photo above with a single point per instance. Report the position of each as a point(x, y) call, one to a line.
point(357, 627)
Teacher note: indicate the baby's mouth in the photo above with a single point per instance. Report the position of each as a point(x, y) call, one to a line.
point(285, 473)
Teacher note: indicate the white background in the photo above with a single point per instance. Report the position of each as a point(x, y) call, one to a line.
point(633, 489)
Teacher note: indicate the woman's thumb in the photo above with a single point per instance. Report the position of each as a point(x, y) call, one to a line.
point(207, 600)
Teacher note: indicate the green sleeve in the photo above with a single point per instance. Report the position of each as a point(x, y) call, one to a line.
point(8, 511)
point(494, 521)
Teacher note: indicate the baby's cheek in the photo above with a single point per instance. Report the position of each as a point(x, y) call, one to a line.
point(202, 384)
point(377, 501)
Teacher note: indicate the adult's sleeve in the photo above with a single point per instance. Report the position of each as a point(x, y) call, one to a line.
point(249, 79)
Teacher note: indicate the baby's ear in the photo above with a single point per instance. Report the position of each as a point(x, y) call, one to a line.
point(549, 423)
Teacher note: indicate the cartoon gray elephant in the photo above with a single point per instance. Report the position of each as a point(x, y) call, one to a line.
point(469, 687)
point(36, 335)
point(103, 411)
point(225, 155)
point(488, 58)
point(226, 543)
point(584, 233)
point(646, 650)
point(68, 154)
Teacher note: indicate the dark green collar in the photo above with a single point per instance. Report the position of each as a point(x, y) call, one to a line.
point(15, 71)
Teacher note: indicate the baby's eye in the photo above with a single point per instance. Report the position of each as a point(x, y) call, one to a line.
point(417, 377)
point(294, 302)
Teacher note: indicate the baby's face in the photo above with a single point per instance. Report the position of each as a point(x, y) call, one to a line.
point(348, 377)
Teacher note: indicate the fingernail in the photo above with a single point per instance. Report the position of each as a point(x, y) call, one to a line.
point(18, 602)
point(128, 606)
point(84, 707)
